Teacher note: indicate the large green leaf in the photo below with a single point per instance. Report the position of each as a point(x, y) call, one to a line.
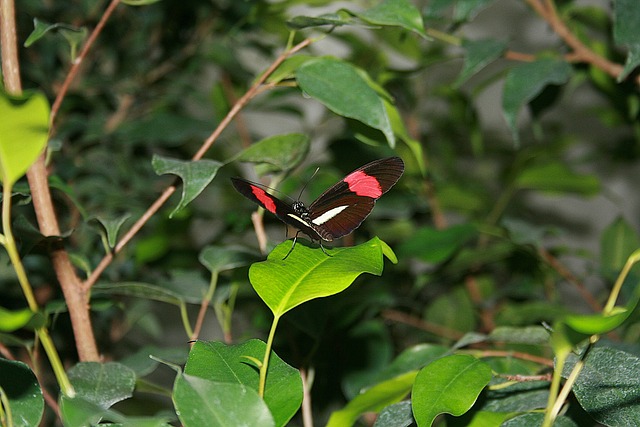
point(22, 390)
point(230, 364)
point(24, 129)
point(342, 88)
point(309, 273)
point(449, 385)
point(526, 81)
point(201, 402)
point(195, 175)
point(374, 399)
point(625, 32)
point(608, 386)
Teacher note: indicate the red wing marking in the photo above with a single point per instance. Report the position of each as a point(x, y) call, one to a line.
point(266, 200)
point(364, 185)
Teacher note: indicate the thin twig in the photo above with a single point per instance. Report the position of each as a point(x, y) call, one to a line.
point(441, 331)
point(75, 68)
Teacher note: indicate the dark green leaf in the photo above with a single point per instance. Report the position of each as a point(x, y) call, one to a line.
point(535, 420)
point(432, 245)
point(525, 81)
point(608, 386)
point(309, 273)
point(40, 28)
point(22, 390)
point(222, 258)
point(201, 402)
point(223, 364)
point(281, 152)
point(342, 89)
point(449, 385)
point(556, 177)
point(625, 32)
point(332, 19)
point(396, 415)
point(479, 54)
point(112, 227)
point(195, 175)
point(466, 10)
point(142, 364)
point(618, 241)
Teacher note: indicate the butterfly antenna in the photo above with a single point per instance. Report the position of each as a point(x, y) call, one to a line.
point(307, 183)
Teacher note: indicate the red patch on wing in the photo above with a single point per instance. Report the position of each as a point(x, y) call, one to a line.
point(364, 185)
point(266, 200)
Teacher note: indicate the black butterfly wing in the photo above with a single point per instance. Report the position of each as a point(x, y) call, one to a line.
point(282, 210)
point(342, 208)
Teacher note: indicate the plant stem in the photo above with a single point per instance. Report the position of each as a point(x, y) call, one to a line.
point(267, 353)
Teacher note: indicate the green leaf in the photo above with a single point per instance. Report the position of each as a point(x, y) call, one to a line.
point(449, 385)
point(23, 392)
point(374, 399)
point(556, 177)
point(103, 384)
point(468, 9)
point(608, 386)
point(12, 320)
point(195, 175)
point(201, 402)
point(112, 226)
point(400, 13)
point(228, 364)
point(332, 19)
point(223, 258)
point(309, 273)
point(24, 129)
point(142, 364)
point(432, 245)
point(535, 420)
point(454, 309)
point(479, 54)
point(287, 70)
point(342, 89)
point(618, 241)
point(526, 81)
point(591, 324)
point(40, 28)
point(625, 33)
point(396, 415)
point(137, 289)
point(281, 152)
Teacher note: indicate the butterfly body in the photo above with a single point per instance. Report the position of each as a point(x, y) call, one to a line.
point(340, 209)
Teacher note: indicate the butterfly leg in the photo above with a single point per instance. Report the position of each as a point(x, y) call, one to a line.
point(295, 239)
point(323, 250)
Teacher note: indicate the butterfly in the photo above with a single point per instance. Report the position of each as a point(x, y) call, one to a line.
point(339, 210)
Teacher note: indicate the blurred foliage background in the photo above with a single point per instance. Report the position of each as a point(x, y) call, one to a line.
point(512, 211)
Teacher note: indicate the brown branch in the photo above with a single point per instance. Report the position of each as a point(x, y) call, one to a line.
point(253, 91)
point(441, 331)
point(75, 68)
point(581, 53)
point(517, 355)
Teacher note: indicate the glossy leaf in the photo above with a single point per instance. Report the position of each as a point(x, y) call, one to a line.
point(104, 384)
point(526, 81)
point(195, 175)
point(449, 385)
point(608, 386)
point(309, 273)
point(202, 402)
point(479, 54)
point(396, 415)
point(24, 129)
point(280, 152)
point(625, 33)
point(401, 13)
point(23, 392)
point(229, 364)
point(341, 88)
point(374, 399)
